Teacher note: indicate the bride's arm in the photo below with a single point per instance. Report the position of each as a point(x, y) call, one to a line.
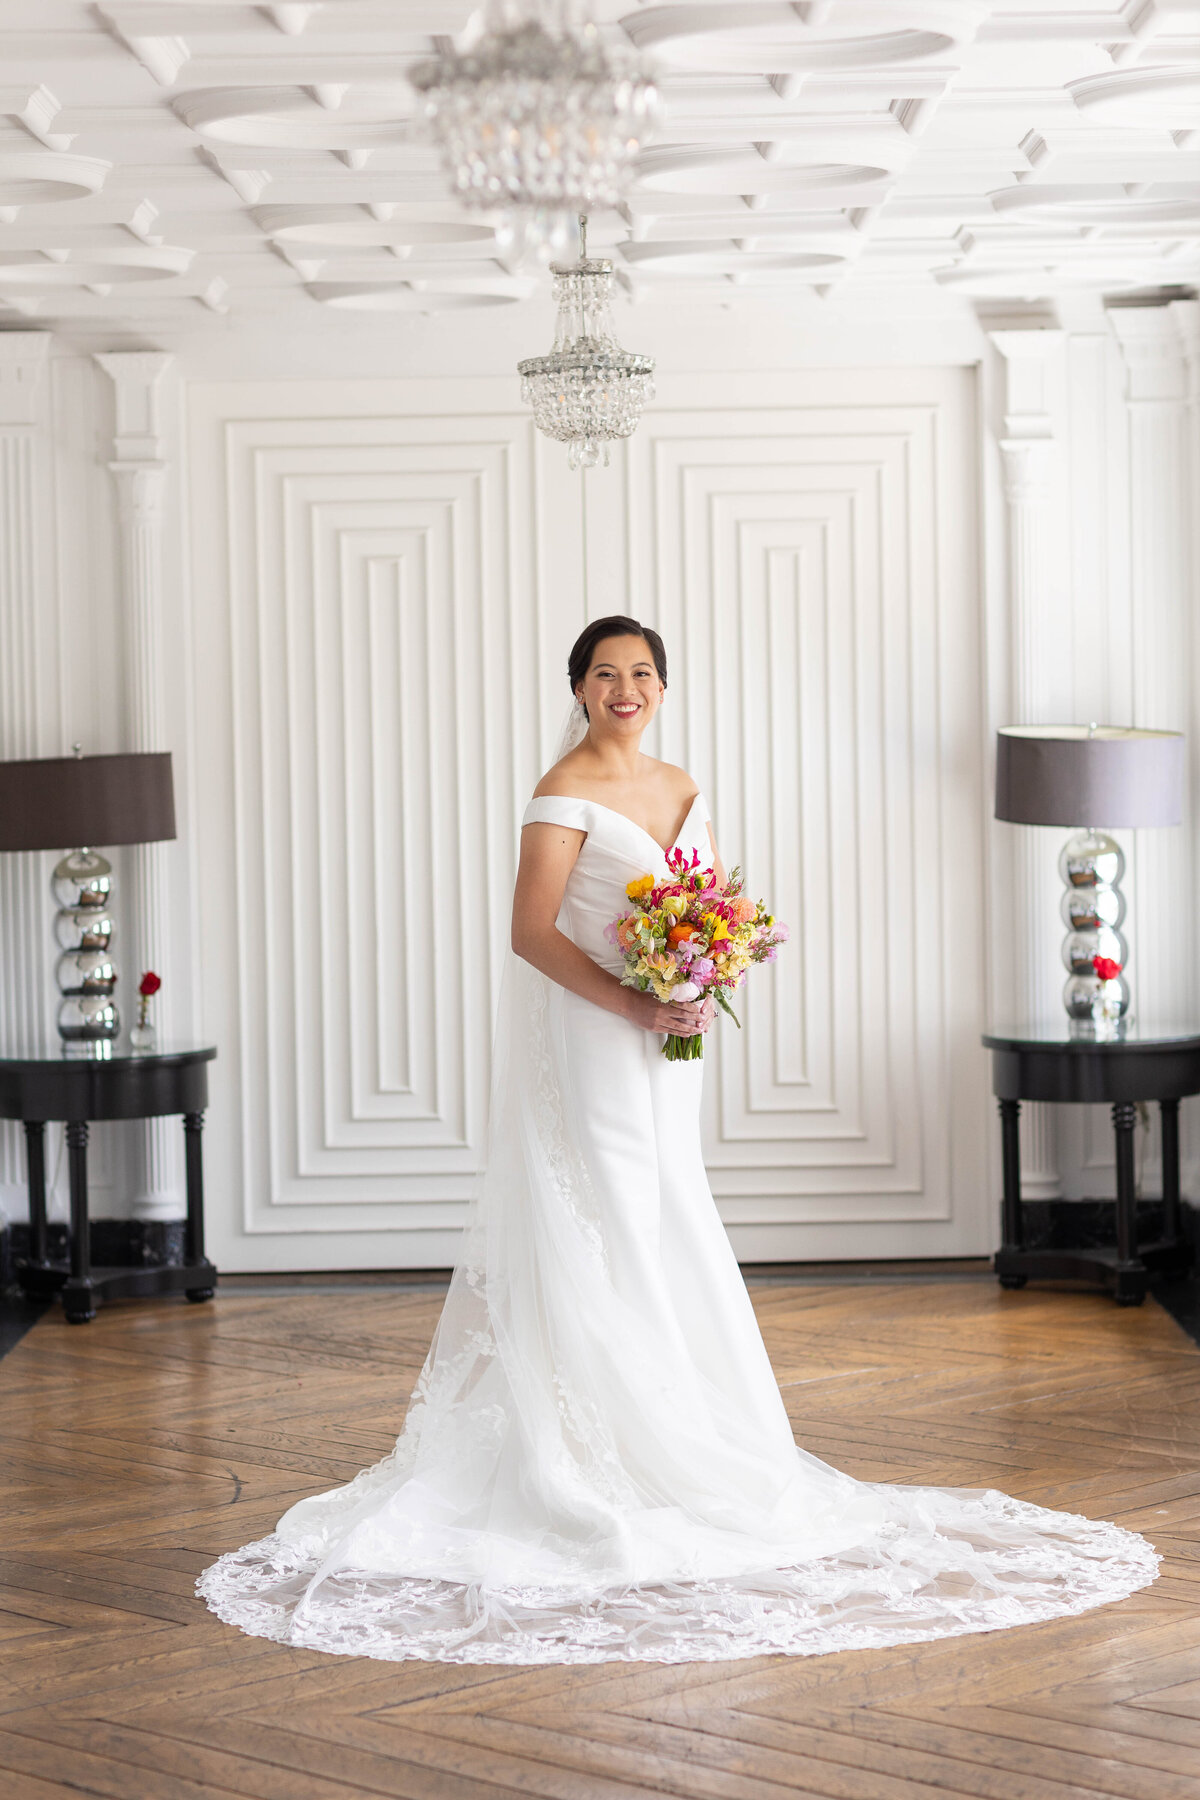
point(548, 854)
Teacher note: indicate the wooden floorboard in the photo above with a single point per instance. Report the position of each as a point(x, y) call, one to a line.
point(135, 1450)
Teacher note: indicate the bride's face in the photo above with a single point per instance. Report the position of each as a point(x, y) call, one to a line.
point(621, 690)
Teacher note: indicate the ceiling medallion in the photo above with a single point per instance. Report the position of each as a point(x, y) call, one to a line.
point(537, 119)
point(588, 391)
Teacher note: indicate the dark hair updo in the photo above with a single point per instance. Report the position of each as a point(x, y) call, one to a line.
point(616, 625)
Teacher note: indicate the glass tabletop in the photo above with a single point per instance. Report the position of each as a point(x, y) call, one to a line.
point(1071, 1034)
point(52, 1050)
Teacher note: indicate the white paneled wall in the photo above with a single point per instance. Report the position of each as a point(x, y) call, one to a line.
point(368, 591)
point(386, 581)
point(366, 579)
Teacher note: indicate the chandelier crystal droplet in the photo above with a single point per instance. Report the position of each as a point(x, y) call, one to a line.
point(588, 391)
point(536, 118)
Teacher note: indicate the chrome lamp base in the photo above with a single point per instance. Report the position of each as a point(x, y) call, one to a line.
point(88, 1020)
point(1093, 910)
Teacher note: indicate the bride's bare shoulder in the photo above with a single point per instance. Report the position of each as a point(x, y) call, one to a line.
point(682, 785)
point(573, 778)
point(562, 781)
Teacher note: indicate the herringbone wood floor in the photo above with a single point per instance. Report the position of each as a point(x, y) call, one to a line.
point(138, 1448)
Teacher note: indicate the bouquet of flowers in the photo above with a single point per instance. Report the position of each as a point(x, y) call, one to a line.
point(686, 938)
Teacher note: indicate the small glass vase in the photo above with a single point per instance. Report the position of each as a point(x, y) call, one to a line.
point(143, 1038)
point(1109, 1008)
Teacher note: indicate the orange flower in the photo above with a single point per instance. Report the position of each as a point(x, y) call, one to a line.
point(679, 934)
point(743, 909)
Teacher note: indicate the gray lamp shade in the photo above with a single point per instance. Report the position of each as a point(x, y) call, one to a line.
point(72, 802)
point(1080, 775)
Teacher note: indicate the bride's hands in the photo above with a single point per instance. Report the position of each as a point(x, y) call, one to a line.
point(685, 1018)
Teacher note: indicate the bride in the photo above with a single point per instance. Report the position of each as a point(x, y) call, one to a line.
point(596, 1463)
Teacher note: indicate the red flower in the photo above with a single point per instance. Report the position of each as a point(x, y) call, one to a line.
point(150, 983)
point(1106, 968)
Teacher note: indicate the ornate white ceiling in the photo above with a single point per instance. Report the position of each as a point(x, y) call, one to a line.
point(162, 161)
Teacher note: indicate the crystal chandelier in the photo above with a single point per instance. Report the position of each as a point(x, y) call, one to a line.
point(588, 390)
point(536, 118)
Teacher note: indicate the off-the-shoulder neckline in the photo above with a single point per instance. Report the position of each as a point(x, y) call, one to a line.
point(663, 849)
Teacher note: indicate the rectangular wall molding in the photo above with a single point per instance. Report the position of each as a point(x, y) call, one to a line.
point(385, 582)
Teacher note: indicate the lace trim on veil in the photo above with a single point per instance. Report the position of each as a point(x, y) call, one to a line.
point(988, 1564)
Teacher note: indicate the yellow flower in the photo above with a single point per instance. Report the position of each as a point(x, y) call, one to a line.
point(675, 904)
point(642, 885)
point(716, 927)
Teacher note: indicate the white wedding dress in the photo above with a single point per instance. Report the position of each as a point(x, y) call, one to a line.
point(596, 1463)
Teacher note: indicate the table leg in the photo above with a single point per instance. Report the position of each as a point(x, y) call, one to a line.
point(78, 1302)
point(1130, 1286)
point(1010, 1146)
point(35, 1161)
point(193, 1126)
point(1169, 1111)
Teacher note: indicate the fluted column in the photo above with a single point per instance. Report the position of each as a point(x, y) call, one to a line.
point(140, 475)
point(1186, 315)
point(26, 976)
point(1029, 463)
point(1161, 510)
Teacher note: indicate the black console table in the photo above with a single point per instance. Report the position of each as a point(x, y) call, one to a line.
point(80, 1090)
point(1049, 1065)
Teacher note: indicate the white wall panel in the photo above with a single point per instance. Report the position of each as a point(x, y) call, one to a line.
point(387, 578)
point(815, 565)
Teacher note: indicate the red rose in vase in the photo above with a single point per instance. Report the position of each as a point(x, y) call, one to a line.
point(143, 1034)
point(1106, 968)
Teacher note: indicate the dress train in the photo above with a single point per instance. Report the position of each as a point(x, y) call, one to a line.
point(597, 1464)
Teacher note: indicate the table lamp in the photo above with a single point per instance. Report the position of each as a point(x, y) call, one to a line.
point(1075, 775)
point(54, 802)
